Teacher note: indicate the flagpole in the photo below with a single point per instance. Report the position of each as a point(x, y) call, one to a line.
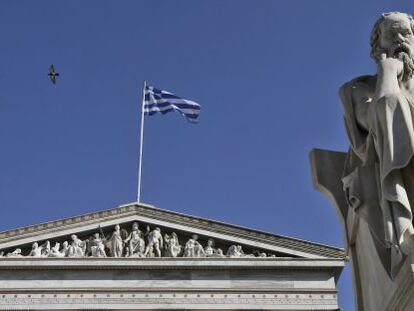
point(141, 145)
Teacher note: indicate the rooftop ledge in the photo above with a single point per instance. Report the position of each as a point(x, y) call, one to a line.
point(170, 263)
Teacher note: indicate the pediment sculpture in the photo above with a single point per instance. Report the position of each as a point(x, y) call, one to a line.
point(121, 242)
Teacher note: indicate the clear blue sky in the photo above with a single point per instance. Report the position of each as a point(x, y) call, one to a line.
point(265, 72)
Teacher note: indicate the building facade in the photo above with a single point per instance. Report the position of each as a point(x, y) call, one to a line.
point(138, 257)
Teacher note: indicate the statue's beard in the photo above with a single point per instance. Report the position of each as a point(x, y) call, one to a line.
point(404, 54)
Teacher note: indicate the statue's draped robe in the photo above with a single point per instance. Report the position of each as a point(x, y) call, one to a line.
point(380, 159)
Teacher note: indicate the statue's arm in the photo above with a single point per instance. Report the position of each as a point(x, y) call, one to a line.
point(389, 74)
point(356, 97)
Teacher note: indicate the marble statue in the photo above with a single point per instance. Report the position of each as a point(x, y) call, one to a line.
point(65, 249)
point(136, 243)
point(172, 245)
point(155, 243)
point(372, 185)
point(209, 249)
point(77, 247)
point(379, 117)
point(193, 248)
point(235, 251)
point(36, 250)
point(16, 253)
point(97, 246)
point(45, 249)
point(55, 251)
point(117, 243)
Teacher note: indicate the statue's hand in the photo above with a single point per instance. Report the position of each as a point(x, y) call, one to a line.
point(390, 66)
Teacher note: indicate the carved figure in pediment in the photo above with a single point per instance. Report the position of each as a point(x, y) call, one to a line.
point(45, 249)
point(97, 246)
point(2, 254)
point(220, 253)
point(209, 250)
point(172, 245)
point(77, 247)
point(36, 250)
point(235, 251)
point(65, 249)
point(193, 248)
point(155, 243)
point(136, 243)
point(16, 253)
point(55, 251)
point(117, 241)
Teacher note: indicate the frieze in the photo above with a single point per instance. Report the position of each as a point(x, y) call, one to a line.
point(134, 243)
point(168, 298)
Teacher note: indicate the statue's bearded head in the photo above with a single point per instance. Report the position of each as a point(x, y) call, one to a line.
point(393, 35)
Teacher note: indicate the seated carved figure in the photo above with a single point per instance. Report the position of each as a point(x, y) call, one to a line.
point(235, 251)
point(65, 249)
point(36, 250)
point(209, 250)
point(193, 248)
point(97, 246)
point(378, 111)
point(77, 247)
point(55, 251)
point(136, 243)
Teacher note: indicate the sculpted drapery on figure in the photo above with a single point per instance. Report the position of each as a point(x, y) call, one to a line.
point(97, 247)
point(136, 243)
point(77, 248)
point(379, 115)
point(172, 245)
point(117, 243)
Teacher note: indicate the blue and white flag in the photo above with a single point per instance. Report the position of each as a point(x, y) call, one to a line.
point(156, 100)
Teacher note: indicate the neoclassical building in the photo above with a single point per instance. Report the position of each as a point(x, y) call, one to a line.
point(138, 257)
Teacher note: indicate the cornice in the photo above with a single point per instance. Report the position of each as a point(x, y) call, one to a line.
point(151, 212)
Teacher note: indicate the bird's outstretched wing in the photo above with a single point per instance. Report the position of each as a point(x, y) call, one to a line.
point(53, 74)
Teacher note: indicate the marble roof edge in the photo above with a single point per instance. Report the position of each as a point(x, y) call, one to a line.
point(173, 263)
point(340, 249)
point(133, 208)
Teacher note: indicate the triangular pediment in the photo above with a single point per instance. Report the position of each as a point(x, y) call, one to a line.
point(182, 235)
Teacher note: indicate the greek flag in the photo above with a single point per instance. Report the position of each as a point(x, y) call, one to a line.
point(156, 100)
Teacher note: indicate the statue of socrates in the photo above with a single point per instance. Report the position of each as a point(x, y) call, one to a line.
point(379, 118)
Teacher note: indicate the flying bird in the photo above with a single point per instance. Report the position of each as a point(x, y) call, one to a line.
point(53, 74)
